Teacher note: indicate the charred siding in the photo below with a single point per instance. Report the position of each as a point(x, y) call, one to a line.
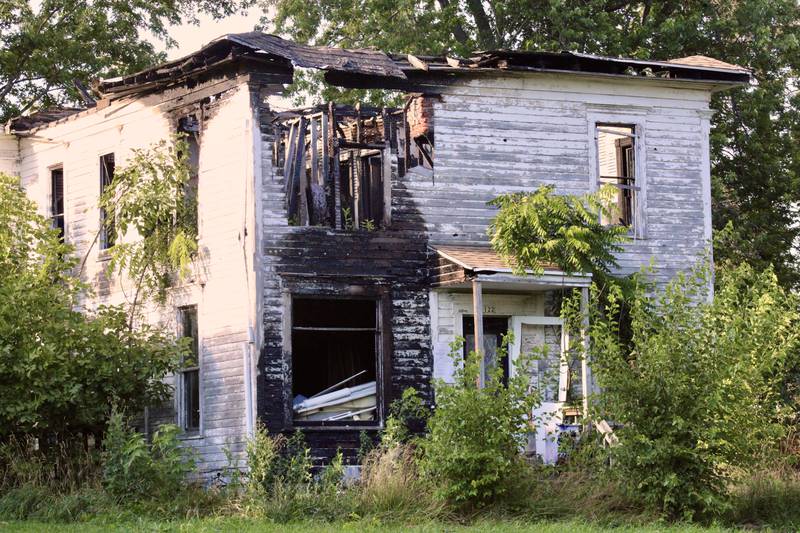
point(317, 260)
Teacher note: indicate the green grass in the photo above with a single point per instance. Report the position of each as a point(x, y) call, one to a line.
point(257, 526)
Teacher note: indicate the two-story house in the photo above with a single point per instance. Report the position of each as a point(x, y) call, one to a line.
point(342, 248)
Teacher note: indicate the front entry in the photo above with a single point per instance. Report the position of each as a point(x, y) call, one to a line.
point(494, 328)
point(550, 376)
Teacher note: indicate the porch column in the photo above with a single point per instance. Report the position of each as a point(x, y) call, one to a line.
point(586, 372)
point(477, 311)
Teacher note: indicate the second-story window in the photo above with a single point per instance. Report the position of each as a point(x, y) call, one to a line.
point(107, 230)
point(616, 151)
point(189, 127)
point(57, 200)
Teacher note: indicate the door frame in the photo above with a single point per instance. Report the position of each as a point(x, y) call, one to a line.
point(549, 413)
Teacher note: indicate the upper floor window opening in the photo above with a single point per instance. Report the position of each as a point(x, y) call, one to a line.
point(616, 154)
point(338, 161)
point(107, 227)
point(57, 201)
point(189, 128)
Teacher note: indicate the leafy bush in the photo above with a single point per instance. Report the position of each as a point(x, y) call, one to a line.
point(405, 413)
point(475, 434)
point(533, 229)
point(134, 469)
point(696, 390)
point(61, 368)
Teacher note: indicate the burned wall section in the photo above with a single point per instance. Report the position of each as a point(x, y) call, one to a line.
point(386, 262)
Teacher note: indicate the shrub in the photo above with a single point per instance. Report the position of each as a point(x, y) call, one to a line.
point(134, 469)
point(61, 368)
point(405, 414)
point(532, 229)
point(474, 436)
point(696, 390)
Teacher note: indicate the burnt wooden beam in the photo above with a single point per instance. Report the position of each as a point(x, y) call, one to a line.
point(334, 152)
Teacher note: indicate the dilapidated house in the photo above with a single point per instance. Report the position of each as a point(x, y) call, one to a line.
point(342, 248)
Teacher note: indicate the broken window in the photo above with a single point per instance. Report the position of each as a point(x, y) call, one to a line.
point(494, 328)
point(616, 150)
point(337, 162)
point(335, 347)
point(107, 229)
point(189, 386)
point(57, 201)
point(189, 128)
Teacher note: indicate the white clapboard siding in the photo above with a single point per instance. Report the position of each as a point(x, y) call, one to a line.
point(223, 284)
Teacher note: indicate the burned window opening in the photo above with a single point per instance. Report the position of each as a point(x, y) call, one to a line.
point(338, 161)
point(616, 151)
point(335, 354)
point(107, 226)
point(57, 201)
point(189, 128)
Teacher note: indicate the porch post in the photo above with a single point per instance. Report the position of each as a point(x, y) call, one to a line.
point(586, 372)
point(477, 311)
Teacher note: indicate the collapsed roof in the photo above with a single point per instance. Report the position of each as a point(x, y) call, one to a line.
point(369, 67)
point(359, 68)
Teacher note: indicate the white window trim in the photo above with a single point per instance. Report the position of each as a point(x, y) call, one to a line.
point(179, 389)
point(638, 122)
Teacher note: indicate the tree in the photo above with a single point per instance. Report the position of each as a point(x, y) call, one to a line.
point(755, 138)
point(61, 369)
point(48, 45)
point(153, 199)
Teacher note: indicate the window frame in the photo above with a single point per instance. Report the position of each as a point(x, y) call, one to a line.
point(381, 296)
point(180, 388)
point(103, 238)
point(63, 214)
point(634, 119)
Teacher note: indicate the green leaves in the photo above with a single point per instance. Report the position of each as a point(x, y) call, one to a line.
point(154, 206)
point(532, 230)
point(60, 368)
point(695, 385)
point(474, 436)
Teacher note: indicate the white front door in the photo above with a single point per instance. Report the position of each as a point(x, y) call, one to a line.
point(550, 376)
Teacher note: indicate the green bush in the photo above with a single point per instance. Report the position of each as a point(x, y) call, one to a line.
point(136, 470)
point(472, 450)
point(62, 368)
point(404, 413)
point(696, 389)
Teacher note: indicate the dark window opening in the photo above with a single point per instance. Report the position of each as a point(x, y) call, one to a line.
point(335, 347)
point(190, 372)
point(617, 164)
point(494, 328)
point(337, 161)
point(57, 201)
point(189, 127)
point(107, 226)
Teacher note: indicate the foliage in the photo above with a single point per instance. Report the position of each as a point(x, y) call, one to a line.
point(405, 413)
point(696, 391)
point(534, 229)
point(474, 436)
point(754, 140)
point(136, 470)
point(62, 368)
point(151, 196)
point(45, 46)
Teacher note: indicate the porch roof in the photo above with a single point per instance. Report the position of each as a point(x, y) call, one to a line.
point(456, 266)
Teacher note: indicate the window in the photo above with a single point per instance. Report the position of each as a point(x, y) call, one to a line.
point(494, 328)
point(335, 347)
point(616, 151)
point(189, 386)
point(190, 127)
point(57, 200)
point(107, 230)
